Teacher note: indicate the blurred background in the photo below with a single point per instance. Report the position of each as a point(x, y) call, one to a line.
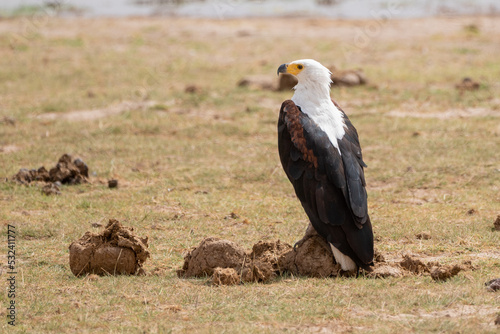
point(346, 9)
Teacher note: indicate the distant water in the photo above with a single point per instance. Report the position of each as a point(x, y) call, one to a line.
point(345, 9)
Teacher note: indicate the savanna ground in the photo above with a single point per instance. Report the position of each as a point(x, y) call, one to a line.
point(186, 160)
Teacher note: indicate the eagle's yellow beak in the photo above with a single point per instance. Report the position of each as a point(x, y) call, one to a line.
point(292, 68)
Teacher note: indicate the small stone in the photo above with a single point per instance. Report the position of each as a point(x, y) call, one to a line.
point(113, 183)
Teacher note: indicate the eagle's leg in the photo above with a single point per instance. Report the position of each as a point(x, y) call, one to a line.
point(310, 232)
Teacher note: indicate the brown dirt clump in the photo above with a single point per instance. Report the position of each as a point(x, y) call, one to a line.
point(51, 189)
point(493, 285)
point(311, 258)
point(210, 254)
point(348, 77)
point(496, 224)
point(213, 256)
point(66, 171)
point(262, 82)
point(117, 250)
point(437, 271)
point(266, 260)
point(112, 183)
point(225, 276)
point(467, 84)
point(414, 265)
point(384, 271)
point(443, 273)
point(263, 264)
point(378, 256)
point(26, 176)
point(423, 236)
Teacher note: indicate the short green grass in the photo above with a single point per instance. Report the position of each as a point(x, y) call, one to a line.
point(189, 160)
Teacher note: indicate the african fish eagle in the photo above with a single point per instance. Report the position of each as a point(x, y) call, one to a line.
point(321, 155)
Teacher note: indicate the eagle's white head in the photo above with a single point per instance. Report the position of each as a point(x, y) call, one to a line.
point(310, 74)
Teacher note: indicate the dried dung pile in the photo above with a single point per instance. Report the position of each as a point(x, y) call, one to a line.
point(116, 250)
point(212, 253)
point(348, 78)
point(313, 257)
point(493, 285)
point(228, 263)
point(496, 224)
point(66, 171)
point(409, 266)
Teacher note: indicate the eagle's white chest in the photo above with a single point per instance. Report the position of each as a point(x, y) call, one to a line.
point(324, 113)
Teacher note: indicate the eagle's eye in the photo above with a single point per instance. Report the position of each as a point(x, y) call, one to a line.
point(300, 66)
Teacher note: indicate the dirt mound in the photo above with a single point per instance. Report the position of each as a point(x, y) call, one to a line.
point(493, 285)
point(496, 224)
point(213, 256)
point(437, 271)
point(348, 77)
point(117, 250)
point(414, 265)
point(210, 254)
point(312, 257)
point(262, 82)
point(442, 273)
point(66, 171)
point(467, 84)
point(384, 271)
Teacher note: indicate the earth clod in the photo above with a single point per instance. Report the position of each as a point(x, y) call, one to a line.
point(114, 251)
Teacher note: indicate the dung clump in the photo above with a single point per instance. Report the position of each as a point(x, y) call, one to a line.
point(115, 251)
point(214, 256)
point(263, 264)
point(437, 271)
point(385, 271)
point(496, 224)
point(51, 189)
point(26, 176)
point(423, 235)
point(229, 263)
point(414, 265)
point(210, 254)
point(493, 285)
point(312, 257)
point(443, 273)
point(349, 78)
point(66, 171)
point(225, 276)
